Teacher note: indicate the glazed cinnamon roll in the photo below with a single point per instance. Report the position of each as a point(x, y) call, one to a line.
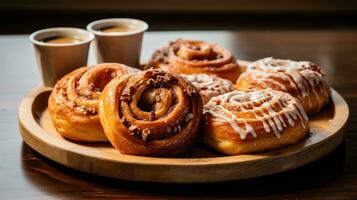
point(152, 113)
point(210, 85)
point(250, 121)
point(196, 57)
point(303, 80)
point(73, 103)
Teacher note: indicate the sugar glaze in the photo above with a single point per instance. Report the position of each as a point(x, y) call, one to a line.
point(275, 110)
point(303, 76)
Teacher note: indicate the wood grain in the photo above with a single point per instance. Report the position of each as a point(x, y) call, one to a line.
point(102, 159)
point(26, 174)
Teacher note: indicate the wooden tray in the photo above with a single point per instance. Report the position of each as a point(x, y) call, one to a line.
point(200, 164)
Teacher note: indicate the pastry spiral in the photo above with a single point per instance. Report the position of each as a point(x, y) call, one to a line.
point(152, 113)
point(73, 103)
point(303, 80)
point(249, 121)
point(210, 85)
point(196, 57)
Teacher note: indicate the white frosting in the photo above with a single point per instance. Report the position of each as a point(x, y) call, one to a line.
point(286, 110)
point(300, 74)
point(210, 85)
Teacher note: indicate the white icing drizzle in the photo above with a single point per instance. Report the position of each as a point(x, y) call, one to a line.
point(275, 110)
point(302, 76)
point(210, 85)
point(232, 120)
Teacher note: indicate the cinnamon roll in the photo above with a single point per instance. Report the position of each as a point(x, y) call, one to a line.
point(196, 57)
point(303, 80)
point(210, 85)
point(250, 121)
point(152, 113)
point(73, 103)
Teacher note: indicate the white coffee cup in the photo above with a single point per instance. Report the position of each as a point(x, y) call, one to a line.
point(58, 59)
point(119, 47)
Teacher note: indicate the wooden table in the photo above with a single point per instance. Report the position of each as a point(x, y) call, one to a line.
point(26, 174)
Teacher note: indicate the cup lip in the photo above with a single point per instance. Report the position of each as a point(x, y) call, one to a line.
point(90, 26)
point(34, 34)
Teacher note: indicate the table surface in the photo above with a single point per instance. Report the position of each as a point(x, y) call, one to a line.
point(26, 174)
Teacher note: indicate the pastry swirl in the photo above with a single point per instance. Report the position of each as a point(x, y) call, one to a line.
point(73, 103)
point(152, 113)
point(303, 80)
point(196, 57)
point(254, 120)
point(210, 85)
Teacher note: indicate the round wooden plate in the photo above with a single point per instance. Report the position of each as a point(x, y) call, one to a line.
point(199, 164)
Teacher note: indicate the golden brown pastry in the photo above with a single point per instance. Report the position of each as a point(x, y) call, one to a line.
point(196, 57)
point(73, 104)
point(303, 80)
point(241, 122)
point(210, 85)
point(151, 113)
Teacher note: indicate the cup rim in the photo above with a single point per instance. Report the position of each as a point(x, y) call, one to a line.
point(34, 34)
point(90, 26)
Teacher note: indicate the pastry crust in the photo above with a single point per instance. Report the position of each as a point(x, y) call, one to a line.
point(210, 85)
point(196, 57)
point(152, 113)
point(303, 80)
point(242, 122)
point(73, 103)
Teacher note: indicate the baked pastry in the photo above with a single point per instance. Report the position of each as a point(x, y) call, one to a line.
point(250, 121)
point(151, 113)
point(195, 57)
point(73, 103)
point(303, 80)
point(210, 85)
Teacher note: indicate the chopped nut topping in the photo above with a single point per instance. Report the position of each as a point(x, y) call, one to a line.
point(92, 110)
point(157, 72)
point(188, 117)
point(125, 122)
point(133, 128)
point(168, 129)
point(175, 129)
point(151, 82)
point(145, 133)
point(149, 73)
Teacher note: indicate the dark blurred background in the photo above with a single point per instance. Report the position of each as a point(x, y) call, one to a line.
point(26, 16)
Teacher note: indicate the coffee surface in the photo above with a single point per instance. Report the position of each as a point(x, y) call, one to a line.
point(61, 40)
point(117, 29)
